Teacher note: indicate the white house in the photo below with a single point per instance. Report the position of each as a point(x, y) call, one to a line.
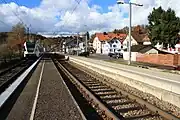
point(169, 49)
point(111, 46)
point(105, 43)
point(97, 44)
point(82, 47)
point(126, 42)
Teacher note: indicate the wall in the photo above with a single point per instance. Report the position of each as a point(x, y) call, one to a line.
point(126, 56)
point(161, 59)
point(105, 48)
point(97, 45)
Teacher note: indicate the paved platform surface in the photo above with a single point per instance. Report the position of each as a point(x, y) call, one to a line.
point(54, 101)
point(23, 106)
point(151, 73)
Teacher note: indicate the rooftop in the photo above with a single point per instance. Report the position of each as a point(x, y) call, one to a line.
point(110, 36)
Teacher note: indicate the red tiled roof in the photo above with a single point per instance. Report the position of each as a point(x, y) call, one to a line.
point(110, 36)
point(140, 37)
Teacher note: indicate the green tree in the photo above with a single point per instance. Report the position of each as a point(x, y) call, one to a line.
point(164, 27)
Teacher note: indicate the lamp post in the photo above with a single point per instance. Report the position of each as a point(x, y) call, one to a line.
point(130, 21)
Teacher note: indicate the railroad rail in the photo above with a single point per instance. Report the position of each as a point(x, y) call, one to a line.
point(4, 70)
point(11, 79)
point(8, 76)
point(111, 101)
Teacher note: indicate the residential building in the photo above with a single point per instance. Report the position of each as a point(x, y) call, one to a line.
point(105, 43)
point(137, 50)
point(169, 49)
point(126, 42)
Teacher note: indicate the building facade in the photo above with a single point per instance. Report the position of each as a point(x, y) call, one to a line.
point(105, 43)
point(111, 46)
point(126, 42)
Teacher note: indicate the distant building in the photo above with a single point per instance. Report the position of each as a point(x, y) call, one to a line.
point(141, 49)
point(169, 49)
point(126, 42)
point(105, 43)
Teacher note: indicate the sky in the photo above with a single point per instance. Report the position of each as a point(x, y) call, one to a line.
point(67, 16)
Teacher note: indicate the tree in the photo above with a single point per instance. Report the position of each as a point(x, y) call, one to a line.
point(16, 37)
point(121, 31)
point(92, 37)
point(164, 27)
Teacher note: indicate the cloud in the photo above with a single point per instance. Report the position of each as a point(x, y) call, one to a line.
point(53, 15)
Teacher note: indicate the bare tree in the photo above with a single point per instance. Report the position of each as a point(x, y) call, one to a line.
point(16, 38)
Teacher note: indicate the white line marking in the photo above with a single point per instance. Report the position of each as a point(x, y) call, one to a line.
point(37, 93)
point(10, 90)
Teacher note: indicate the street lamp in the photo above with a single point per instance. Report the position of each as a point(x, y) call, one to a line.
point(130, 18)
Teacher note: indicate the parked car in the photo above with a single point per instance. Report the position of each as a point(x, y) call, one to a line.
point(117, 54)
point(84, 54)
point(110, 54)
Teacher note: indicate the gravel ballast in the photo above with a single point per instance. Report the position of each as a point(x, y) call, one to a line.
point(54, 101)
point(148, 97)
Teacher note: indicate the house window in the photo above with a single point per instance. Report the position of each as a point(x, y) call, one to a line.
point(114, 45)
point(116, 41)
point(112, 41)
point(110, 50)
point(110, 45)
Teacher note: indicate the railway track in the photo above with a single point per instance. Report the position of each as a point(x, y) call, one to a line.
point(110, 101)
point(8, 76)
point(12, 83)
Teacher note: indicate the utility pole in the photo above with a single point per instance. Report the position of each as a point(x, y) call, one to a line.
point(77, 44)
point(86, 41)
point(130, 20)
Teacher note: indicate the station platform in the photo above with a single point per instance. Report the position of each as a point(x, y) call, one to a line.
point(162, 85)
point(45, 97)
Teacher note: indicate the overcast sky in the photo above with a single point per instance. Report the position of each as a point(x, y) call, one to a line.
point(91, 15)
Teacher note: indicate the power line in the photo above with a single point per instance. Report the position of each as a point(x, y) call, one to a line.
point(13, 11)
point(78, 2)
point(5, 23)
